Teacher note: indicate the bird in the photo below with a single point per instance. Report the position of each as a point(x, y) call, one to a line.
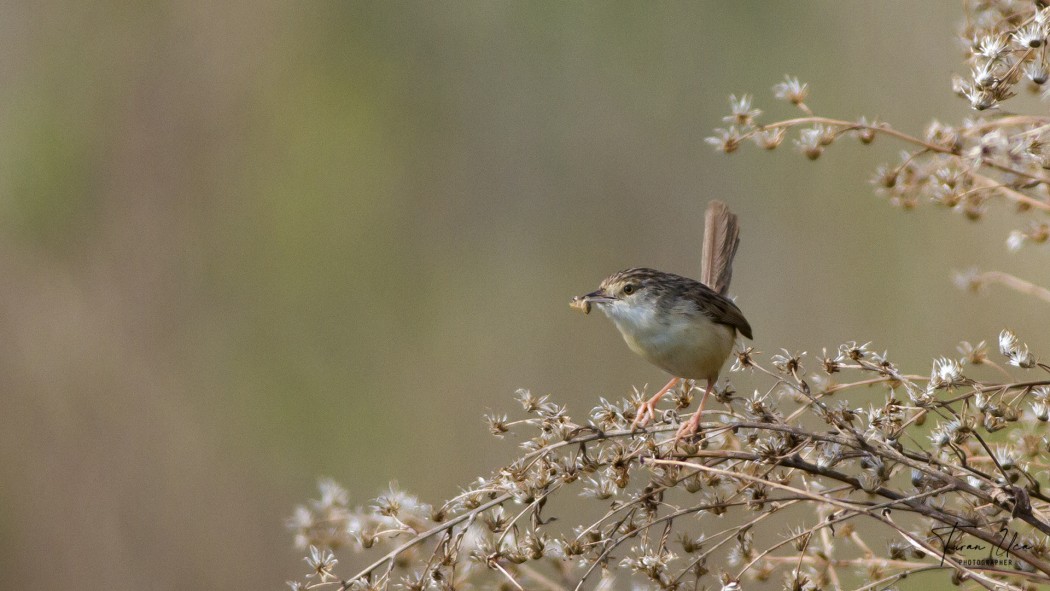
point(683, 326)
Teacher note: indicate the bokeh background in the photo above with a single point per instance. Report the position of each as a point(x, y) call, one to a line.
point(246, 244)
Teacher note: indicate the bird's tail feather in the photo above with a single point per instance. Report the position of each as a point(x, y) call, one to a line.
point(721, 237)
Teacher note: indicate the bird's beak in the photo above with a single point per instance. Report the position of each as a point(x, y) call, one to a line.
point(597, 297)
point(583, 303)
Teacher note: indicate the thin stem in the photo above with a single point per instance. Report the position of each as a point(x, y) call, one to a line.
point(889, 131)
point(1015, 283)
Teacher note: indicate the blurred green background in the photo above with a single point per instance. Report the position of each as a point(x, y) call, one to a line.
point(246, 244)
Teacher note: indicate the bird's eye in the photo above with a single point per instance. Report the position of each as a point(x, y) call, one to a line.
point(628, 289)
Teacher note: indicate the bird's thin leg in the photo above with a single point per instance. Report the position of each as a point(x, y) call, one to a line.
point(693, 423)
point(647, 410)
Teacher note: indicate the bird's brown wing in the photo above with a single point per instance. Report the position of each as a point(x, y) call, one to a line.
point(722, 310)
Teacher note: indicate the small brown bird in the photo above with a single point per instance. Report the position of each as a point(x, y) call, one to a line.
point(683, 326)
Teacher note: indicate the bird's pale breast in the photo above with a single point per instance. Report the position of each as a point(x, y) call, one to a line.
point(684, 345)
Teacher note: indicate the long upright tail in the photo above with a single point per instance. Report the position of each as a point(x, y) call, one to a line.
point(721, 237)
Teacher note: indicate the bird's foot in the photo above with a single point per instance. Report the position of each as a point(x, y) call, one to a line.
point(689, 428)
point(645, 413)
point(647, 410)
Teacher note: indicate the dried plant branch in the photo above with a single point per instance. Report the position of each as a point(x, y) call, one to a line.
point(978, 280)
point(987, 508)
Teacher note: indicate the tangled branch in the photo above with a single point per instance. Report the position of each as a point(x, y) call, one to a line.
point(940, 490)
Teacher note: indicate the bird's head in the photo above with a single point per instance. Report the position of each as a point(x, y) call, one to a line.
point(628, 292)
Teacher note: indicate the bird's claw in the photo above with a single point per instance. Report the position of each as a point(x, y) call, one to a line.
point(646, 412)
point(689, 428)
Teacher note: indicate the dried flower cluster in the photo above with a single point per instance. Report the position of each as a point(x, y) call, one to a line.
point(943, 474)
point(962, 166)
point(942, 465)
point(1007, 46)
